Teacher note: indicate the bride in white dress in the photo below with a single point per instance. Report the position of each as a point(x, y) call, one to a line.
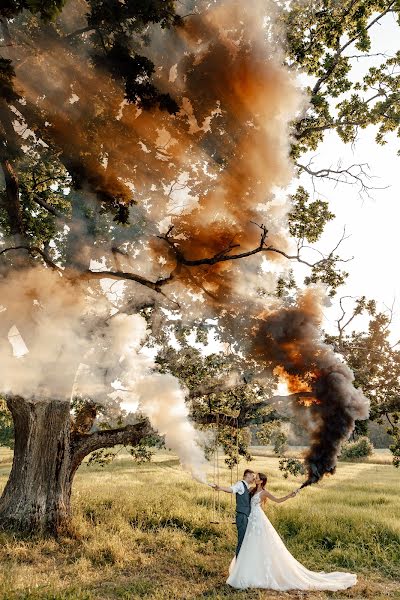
point(265, 562)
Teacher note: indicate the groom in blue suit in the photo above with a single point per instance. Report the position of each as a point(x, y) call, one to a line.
point(241, 489)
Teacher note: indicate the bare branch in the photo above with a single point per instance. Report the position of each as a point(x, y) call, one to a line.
point(356, 173)
point(322, 260)
point(225, 255)
point(124, 275)
point(342, 326)
point(221, 256)
point(357, 56)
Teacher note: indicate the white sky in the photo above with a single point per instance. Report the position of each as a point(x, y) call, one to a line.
point(373, 224)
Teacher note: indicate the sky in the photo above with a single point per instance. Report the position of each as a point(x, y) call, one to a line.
point(372, 224)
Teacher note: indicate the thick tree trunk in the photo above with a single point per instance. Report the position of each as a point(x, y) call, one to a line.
point(47, 454)
point(37, 494)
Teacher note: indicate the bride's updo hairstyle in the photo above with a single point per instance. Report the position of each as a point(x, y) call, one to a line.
point(264, 480)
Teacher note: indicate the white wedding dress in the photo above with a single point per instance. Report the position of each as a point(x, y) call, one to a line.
point(265, 562)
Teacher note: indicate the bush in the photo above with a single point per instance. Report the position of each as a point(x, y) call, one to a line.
point(358, 449)
point(291, 465)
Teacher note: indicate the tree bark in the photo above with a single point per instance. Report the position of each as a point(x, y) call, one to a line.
point(12, 204)
point(47, 454)
point(37, 494)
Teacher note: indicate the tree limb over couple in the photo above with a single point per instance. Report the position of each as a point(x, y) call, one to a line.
point(262, 559)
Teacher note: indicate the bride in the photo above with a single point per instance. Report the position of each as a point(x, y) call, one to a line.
point(265, 562)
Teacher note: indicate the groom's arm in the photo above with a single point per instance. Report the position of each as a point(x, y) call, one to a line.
point(220, 488)
point(236, 488)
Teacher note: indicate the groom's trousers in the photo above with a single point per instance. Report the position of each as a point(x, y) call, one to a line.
point(241, 524)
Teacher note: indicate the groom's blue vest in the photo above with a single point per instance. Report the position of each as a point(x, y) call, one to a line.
point(243, 502)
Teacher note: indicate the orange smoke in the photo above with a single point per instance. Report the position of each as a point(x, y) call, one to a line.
point(228, 144)
point(294, 382)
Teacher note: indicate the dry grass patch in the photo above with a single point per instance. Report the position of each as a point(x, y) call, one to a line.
point(145, 532)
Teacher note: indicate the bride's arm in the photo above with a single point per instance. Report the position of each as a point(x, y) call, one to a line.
point(265, 494)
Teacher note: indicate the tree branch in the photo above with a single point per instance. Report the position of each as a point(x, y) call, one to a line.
point(221, 256)
point(13, 205)
point(247, 415)
point(154, 285)
point(334, 124)
point(342, 48)
point(355, 172)
point(82, 445)
point(33, 250)
point(51, 209)
point(224, 255)
point(74, 34)
point(236, 422)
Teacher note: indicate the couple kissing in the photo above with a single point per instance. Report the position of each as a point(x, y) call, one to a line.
point(262, 559)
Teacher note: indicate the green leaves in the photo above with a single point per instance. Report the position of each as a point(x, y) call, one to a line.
point(46, 9)
point(218, 387)
point(7, 75)
point(291, 466)
point(324, 40)
point(376, 365)
point(307, 220)
point(120, 29)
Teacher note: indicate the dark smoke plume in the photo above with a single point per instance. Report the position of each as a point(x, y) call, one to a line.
point(291, 339)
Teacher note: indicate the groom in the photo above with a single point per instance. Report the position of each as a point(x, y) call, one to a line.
point(241, 489)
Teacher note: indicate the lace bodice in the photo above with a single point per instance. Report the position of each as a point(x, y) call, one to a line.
point(256, 501)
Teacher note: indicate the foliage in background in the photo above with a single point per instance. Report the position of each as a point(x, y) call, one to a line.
point(360, 448)
point(375, 361)
point(6, 426)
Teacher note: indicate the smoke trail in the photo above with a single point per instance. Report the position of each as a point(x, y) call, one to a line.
point(47, 312)
point(71, 344)
point(159, 396)
point(291, 339)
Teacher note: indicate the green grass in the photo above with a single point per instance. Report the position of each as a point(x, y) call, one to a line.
point(145, 532)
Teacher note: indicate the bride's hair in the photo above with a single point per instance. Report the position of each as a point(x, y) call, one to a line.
point(264, 479)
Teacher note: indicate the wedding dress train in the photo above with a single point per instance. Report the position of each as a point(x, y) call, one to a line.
point(265, 562)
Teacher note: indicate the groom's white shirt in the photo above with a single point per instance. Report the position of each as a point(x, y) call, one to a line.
point(238, 487)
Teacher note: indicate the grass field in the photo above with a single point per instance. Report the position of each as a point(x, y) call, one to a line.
point(145, 532)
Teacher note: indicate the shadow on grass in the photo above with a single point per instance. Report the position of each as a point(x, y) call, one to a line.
point(202, 533)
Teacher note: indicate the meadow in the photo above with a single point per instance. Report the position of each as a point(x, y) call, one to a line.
point(146, 532)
